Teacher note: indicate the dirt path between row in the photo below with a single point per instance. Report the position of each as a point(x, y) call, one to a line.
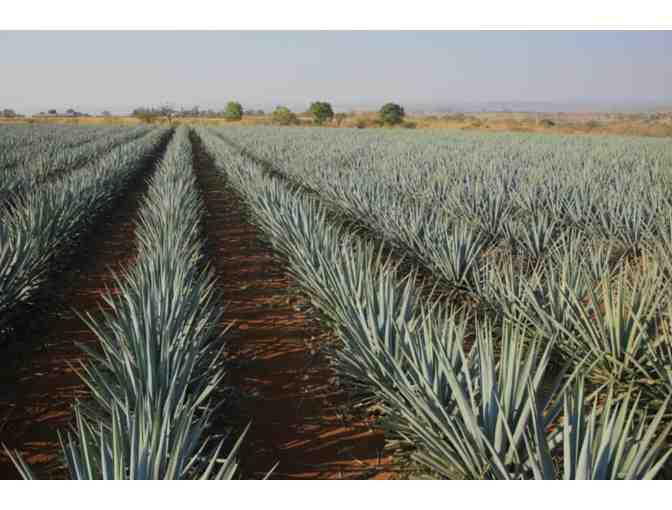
point(37, 385)
point(299, 419)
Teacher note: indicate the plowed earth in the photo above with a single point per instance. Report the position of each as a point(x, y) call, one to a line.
point(299, 418)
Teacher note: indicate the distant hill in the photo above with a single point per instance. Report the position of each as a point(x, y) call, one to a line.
point(582, 106)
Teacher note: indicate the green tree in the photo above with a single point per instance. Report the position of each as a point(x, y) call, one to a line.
point(284, 116)
point(321, 112)
point(233, 111)
point(392, 114)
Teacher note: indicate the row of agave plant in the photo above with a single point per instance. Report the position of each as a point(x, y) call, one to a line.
point(20, 143)
point(56, 159)
point(531, 229)
point(499, 410)
point(16, 136)
point(154, 381)
point(515, 192)
point(38, 234)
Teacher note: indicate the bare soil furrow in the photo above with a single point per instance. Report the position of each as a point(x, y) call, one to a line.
point(298, 417)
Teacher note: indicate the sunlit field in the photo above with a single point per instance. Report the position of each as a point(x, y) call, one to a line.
point(188, 300)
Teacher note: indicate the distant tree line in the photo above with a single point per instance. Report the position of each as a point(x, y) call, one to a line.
point(9, 113)
point(232, 111)
point(320, 113)
point(70, 112)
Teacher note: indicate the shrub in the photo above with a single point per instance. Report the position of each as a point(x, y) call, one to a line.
point(284, 116)
point(233, 111)
point(321, 112)
point(392, 114)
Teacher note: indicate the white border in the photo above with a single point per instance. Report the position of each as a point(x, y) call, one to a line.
point(337, 14)
point(343, 14)
point(324, 495)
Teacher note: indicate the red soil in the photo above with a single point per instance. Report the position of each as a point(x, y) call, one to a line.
point(37, 385)
point(299, 418)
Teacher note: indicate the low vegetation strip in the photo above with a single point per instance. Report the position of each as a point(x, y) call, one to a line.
point(154, 380)
point(477, 414)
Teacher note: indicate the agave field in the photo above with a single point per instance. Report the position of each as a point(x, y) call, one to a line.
point(474, 306)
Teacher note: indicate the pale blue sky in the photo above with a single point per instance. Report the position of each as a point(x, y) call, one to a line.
point(91, 71)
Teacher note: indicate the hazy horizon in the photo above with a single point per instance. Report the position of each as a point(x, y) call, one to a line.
point(117, 71)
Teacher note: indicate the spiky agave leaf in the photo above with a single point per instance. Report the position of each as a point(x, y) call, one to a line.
point(616, 324)
point(480, 424)
point(455, 255)
point(149, 444)
point(610, 440)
